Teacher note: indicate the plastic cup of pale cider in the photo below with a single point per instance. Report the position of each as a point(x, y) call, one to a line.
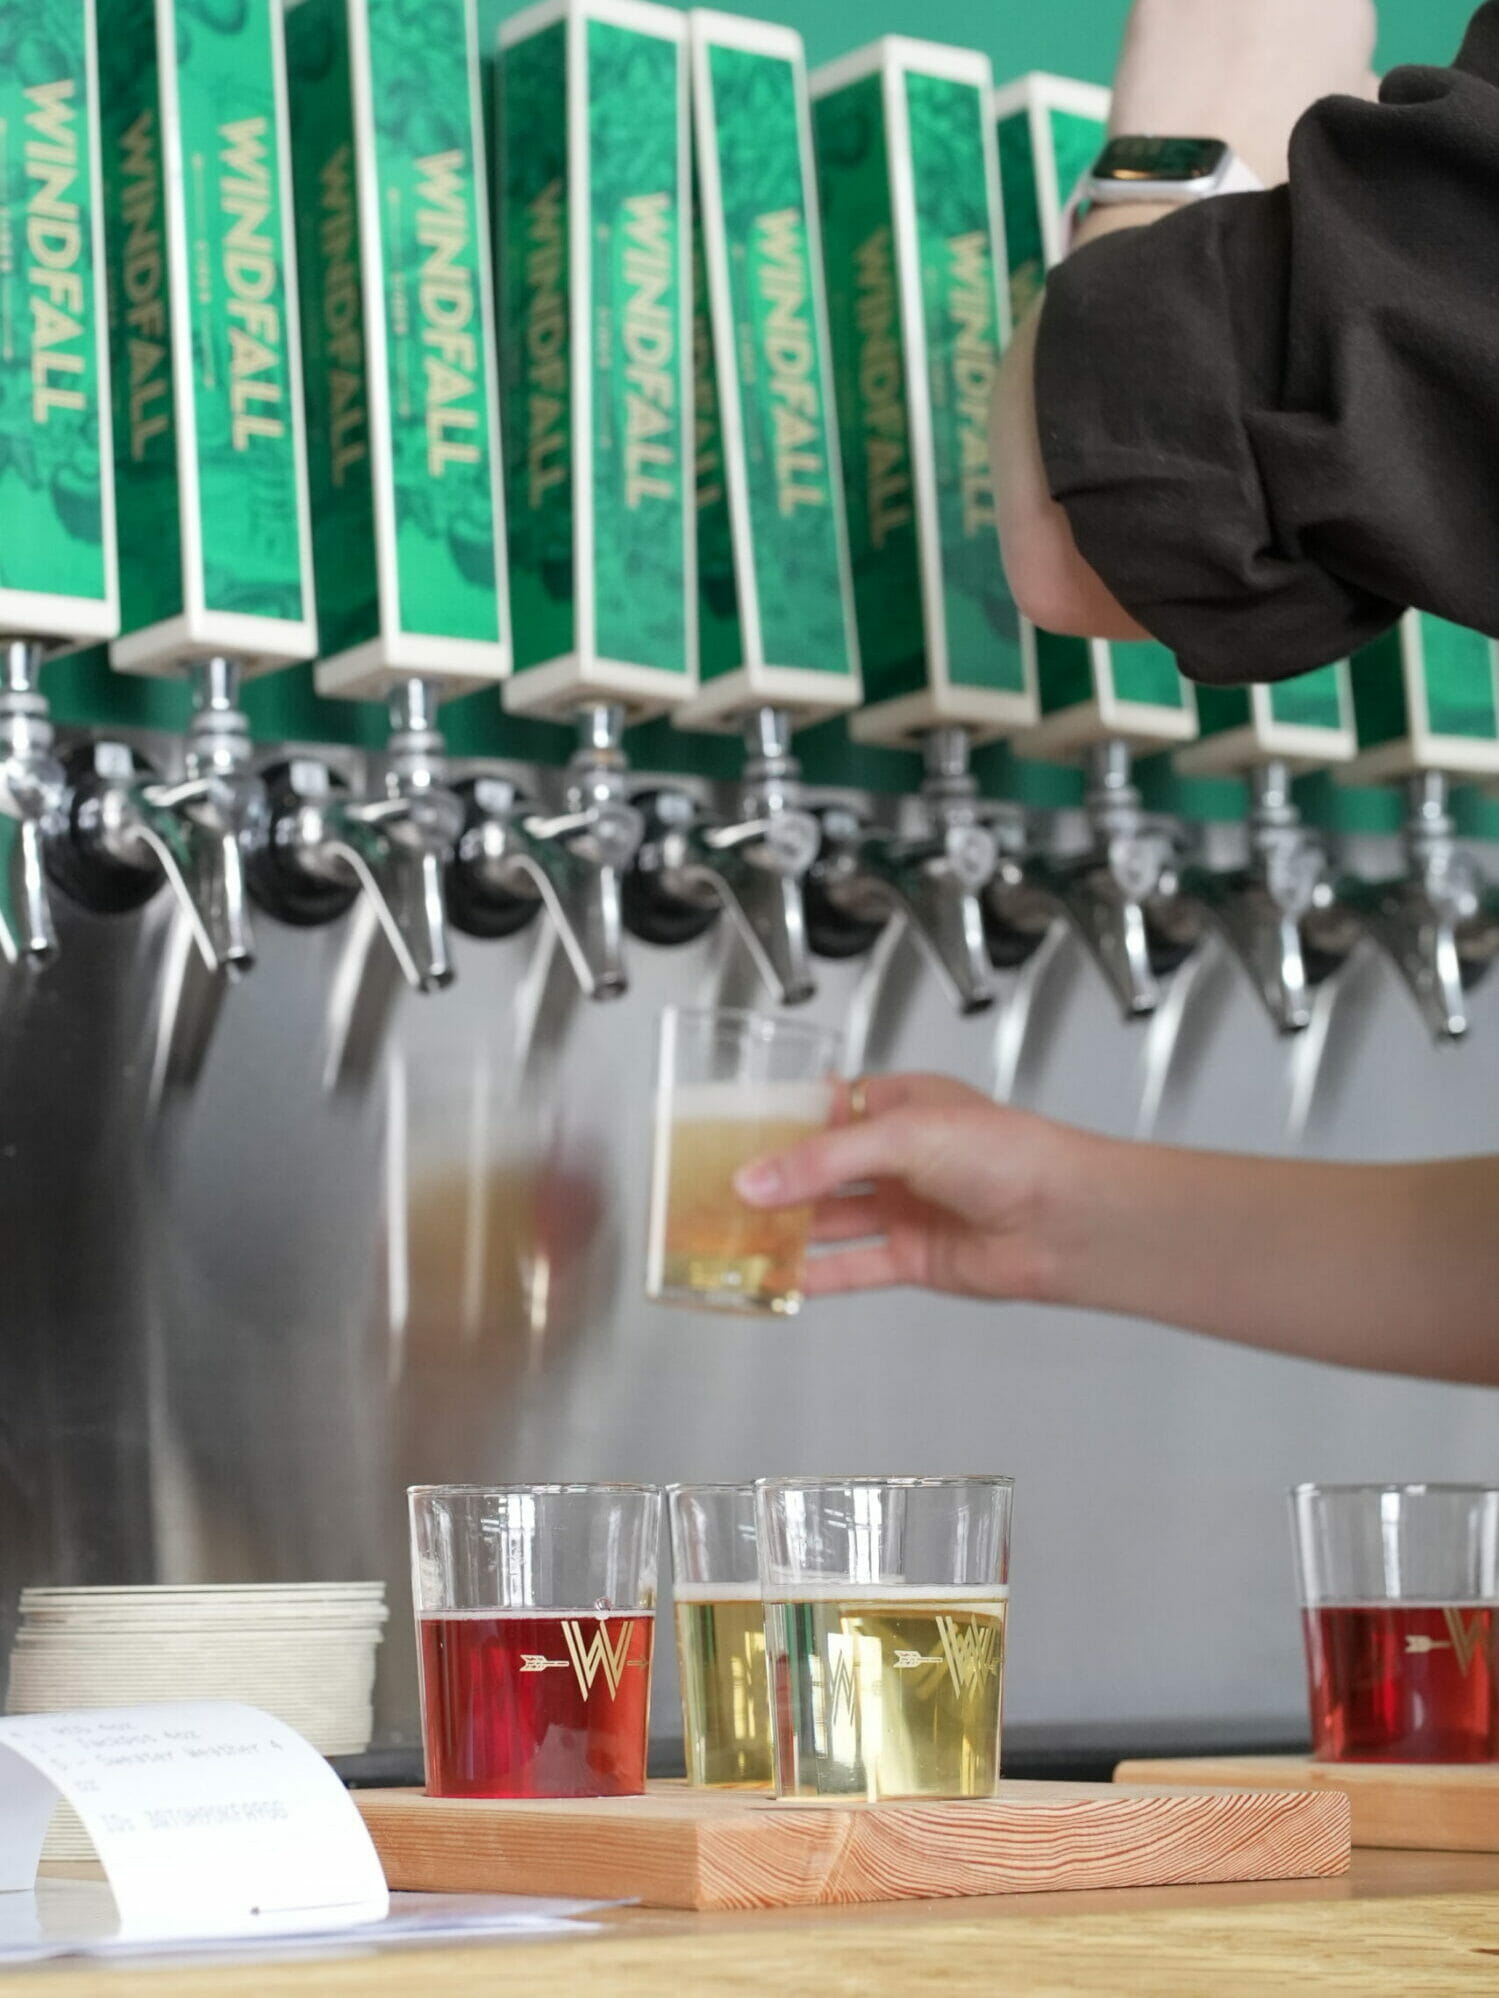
point(731, 1086)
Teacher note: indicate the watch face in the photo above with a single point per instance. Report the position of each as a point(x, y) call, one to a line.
point(1171, 160)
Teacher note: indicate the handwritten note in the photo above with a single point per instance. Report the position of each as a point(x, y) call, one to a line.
point(211, 1819)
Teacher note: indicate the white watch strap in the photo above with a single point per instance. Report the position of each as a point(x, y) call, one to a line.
point(1238, 178)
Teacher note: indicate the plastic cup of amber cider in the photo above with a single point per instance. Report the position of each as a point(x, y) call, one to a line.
point(730, 1087)
point(536, 1621)
point(720, 1630)
point(1399, 1593)
point(886, 1602)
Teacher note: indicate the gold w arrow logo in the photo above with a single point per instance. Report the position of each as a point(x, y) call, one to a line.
point(971, 1651)
point(1466, 1637)
point(596, 1655)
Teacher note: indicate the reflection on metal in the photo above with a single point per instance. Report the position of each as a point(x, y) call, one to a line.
point(1339, 1018)
point(1163, 1035)
point(1012, 1039)
point(191, 1000)
point(861, 1030)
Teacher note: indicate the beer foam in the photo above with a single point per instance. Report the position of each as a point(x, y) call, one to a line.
point(716, 1592)
point(856, 1595)
point(751, 1102)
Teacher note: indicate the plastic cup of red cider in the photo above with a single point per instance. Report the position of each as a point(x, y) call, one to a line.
point(1400, 1617)
point(535, 1614)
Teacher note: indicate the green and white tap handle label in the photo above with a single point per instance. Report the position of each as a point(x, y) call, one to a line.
point(401, 398)
point(905, 159)
point(1049, 130)
point(792, 622)
point(1426, 698)
point(209, 446)
point(592, 211)
point(57, 542)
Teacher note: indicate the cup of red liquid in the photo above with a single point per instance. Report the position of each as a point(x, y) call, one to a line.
point(535, 1623)
point(1400, 1613)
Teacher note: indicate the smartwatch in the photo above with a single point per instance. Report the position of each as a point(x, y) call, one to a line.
point(1139, 167)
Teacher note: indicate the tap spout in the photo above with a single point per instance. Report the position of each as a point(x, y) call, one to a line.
point(933, 878)
point(572, 863)
point(1279, 913)
point(33, 791)
point(322, 847)
point(1119, 894)
point(131, 829)
point(1439, 923)
point(693, 866)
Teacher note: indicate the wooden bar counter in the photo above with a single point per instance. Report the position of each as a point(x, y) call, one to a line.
point(1416, 1925)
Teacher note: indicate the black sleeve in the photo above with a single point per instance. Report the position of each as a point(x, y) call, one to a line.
point(1273, 419)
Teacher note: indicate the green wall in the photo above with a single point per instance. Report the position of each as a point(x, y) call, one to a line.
point(1074, 37)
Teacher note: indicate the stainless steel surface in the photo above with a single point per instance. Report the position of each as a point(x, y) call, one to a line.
point(1121, 893)
point(237, 1319)
point(1279, 912)
point(32, 804)
point(1438, 920)
point(929, 875)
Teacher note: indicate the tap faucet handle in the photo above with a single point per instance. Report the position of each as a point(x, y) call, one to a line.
point(512, 861)
point(1114, 932)
point(198, 829)
point(784, 842)
point(757, 868)
point(397, 848)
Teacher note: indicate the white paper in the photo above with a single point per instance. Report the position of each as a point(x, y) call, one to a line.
point(77, 1918)
point(210, 1819)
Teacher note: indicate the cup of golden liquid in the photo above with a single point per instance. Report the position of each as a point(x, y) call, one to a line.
point(720, 1630)
point(730, 1087)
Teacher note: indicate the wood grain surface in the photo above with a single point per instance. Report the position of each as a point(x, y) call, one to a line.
point(1397, 1925)
point(1424, 1807)
point(680, 1848)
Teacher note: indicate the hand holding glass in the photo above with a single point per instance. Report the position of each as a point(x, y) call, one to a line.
point(730, 1087)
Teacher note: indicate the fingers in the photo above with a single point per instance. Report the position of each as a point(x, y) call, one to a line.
point(884, 1093)
point(874, 1267)
point(868, 1149)
point(849, 1218)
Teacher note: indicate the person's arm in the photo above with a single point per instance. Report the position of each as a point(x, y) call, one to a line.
point(1205, 68)
point(1389, 1267)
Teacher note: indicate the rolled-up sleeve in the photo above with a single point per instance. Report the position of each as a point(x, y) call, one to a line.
point(1273, 419)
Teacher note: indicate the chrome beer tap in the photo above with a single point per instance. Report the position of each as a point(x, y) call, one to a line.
point(1439, 921)
point(931, 875)
point(693, 865)
point(1121, 894)
point(129, 829)
point(33, 793)
point(1280, 913)
point(322, 847)
point(513, 859)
